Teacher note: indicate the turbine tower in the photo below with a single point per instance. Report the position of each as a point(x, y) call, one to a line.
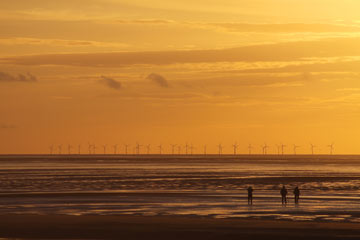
point(60, 148)
point(282, 149)
point(250, 147)
point(94, 148)
point(160, 149)
point(89, 146)
point(126, 148)
point(115, 148)
point(205, 149)
point(51, 148)
point(173, 148)
point(79, 149)
point(220, 147)
point(69, 149)
point(148, 149)
point(104, 147)
point(264, 148)
point(331, 147)
point(278, 149)
point(191, 149)
point(295, 147)
point(179, 149)
point(138, 146)
point(235, 146)
point(186, 148)
point(312, 146)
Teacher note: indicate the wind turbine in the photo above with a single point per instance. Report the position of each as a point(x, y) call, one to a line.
point(250, 147)
point(235, 146)
point(282, 149)
point(89, 146)
point(264, 148)
point(126, 148)
point(179, 149)
point(69, 149)
point(331, 146)
point(51, 148)
point(205, 149)
point(220, 148)
point(60, 148)
point(173, 148)
point(79, 149)
point(295, 147)
point(186, 148)
point(278, 149)
point(191, 149)
point(160, 149)
point(115, 148)
point(94, 148)
point(148, 149)
point(312, 148)
point(138, 146)
point(104, 147)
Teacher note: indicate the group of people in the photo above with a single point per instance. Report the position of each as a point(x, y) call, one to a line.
point(283, 193)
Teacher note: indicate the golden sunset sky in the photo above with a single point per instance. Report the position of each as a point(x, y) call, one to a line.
point(162, 72)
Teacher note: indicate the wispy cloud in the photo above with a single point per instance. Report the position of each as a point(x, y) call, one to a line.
point(282, 28)
point(110, 82)
point(59, 42)
point(146, 21)
point(5, 77)
point(158, 80)
point(289, 51)
point(7, 126)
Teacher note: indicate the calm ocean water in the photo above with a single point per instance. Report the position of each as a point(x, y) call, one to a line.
point(213, 186)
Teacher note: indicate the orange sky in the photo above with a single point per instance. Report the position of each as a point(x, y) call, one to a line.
point(163, 72)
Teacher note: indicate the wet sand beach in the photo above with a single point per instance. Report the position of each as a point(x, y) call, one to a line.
point(168, 197)
point(167, 227)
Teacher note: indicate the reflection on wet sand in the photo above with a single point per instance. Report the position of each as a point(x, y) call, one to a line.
point(207, 187)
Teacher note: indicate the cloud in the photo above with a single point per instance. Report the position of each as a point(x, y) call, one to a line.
point(58, 42)
point(256, 28)
point(335, 67)
point(283, 28)
point(110, 82)
point(247, 80)
point(146, 21)
point(7, 126)
point(5, 77)
point(158, 80)
point(288, 51)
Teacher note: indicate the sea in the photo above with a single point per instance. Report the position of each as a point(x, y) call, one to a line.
point(211, 186)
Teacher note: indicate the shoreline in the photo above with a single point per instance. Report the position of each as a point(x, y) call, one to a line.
point(167, 227)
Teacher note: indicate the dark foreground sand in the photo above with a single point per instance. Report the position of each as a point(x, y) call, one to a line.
point(139, 227)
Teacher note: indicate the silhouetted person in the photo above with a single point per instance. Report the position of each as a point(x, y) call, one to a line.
point(250, 195)
point(283, 193)
point(296, 195)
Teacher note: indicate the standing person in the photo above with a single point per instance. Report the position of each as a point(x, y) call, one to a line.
point(283, 193)
point(250, 195)
point(296, 194)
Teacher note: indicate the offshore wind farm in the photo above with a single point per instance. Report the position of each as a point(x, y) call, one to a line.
point(191, 149)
